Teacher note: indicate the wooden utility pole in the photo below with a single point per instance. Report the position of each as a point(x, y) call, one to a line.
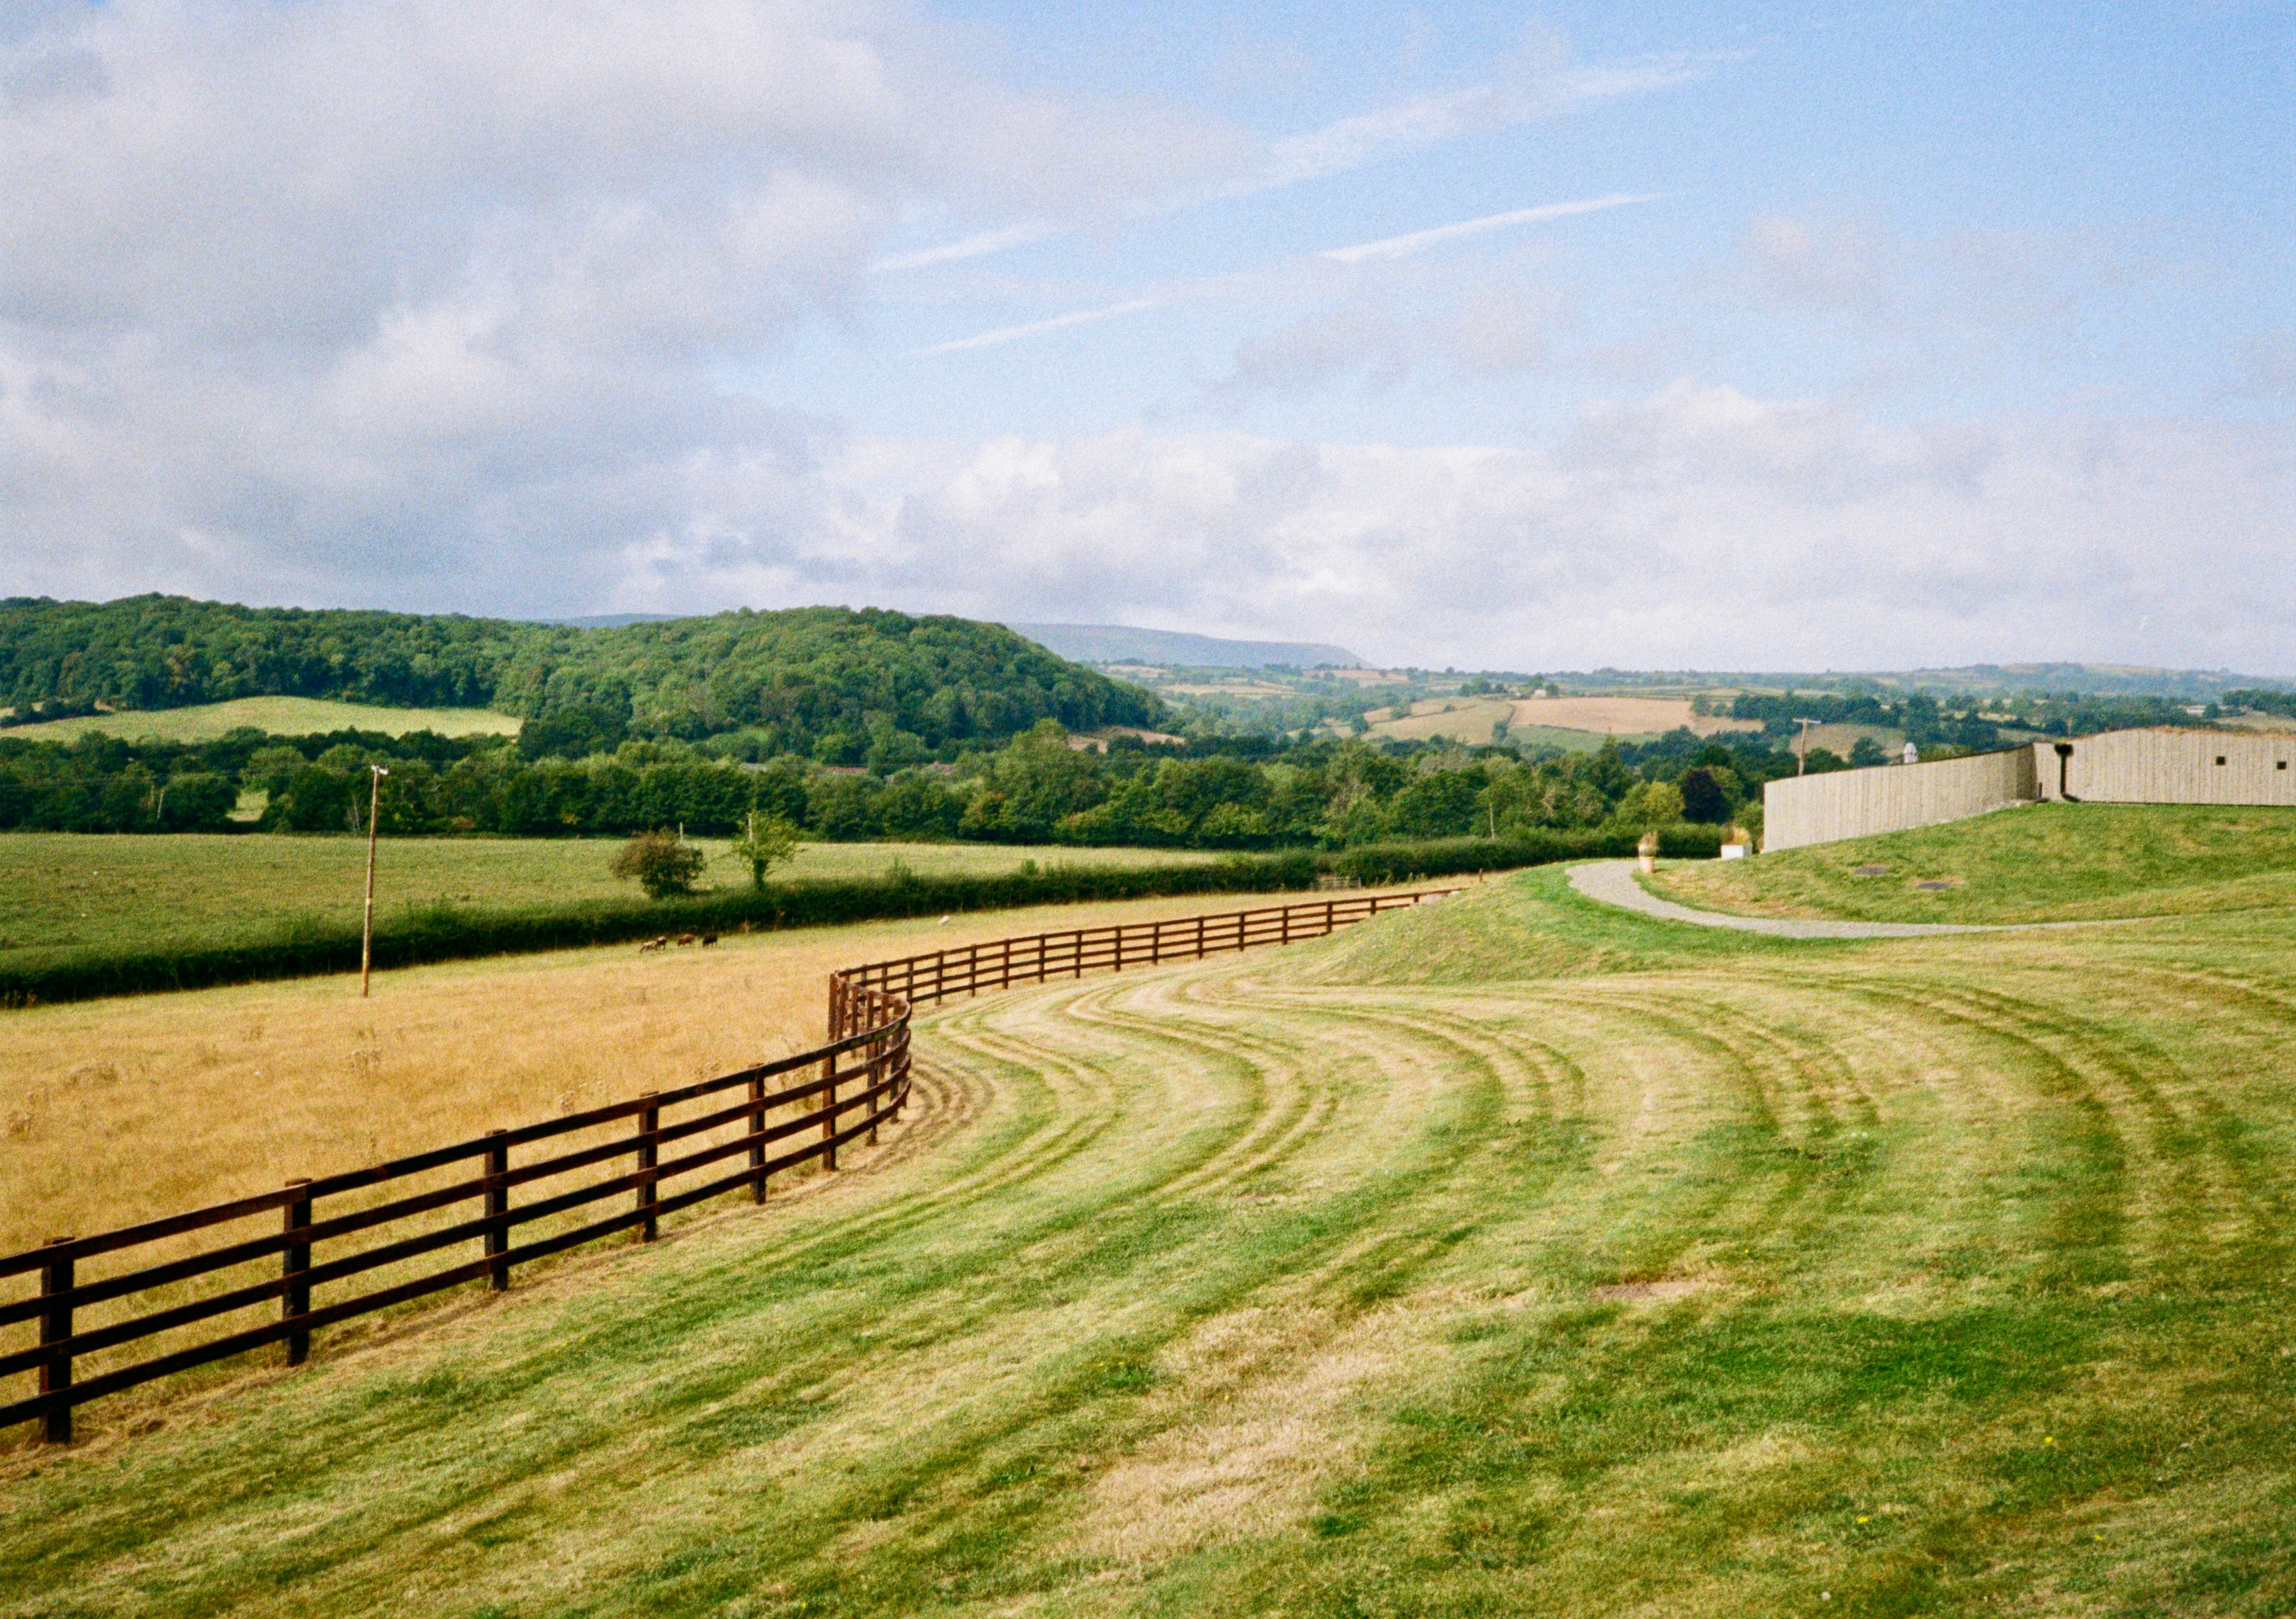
point(1802, 759)
point(366, 931)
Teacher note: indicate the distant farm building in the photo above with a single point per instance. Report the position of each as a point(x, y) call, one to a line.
point(2145, 767)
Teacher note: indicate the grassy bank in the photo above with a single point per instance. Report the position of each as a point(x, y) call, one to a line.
point(1515, 1255)
point(2040, 863)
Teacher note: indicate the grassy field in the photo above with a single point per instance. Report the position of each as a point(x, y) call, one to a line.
point(1576, 722)
point(281, 716)
point(62, 893)
point(1461, 719)
point(2043, 862)
point(1515, 1255)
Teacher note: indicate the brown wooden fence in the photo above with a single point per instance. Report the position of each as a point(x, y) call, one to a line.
point(1036, 958)
point(334, 1235)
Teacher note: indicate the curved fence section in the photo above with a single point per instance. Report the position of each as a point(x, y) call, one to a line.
point(213, 1283)
point(352, 1244)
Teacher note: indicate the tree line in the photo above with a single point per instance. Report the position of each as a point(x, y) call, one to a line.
point(847, 687)
point(1237, 793)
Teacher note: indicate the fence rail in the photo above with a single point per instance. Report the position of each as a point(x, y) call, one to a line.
point(869, 1047)
point(1000, 963)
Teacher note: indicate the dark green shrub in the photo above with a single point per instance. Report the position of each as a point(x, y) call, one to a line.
point(664, 864)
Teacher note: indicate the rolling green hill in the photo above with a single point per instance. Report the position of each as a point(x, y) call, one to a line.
point(827, 680)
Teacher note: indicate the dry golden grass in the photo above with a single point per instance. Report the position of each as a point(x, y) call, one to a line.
point(1461, 719)
point(1470, 719)
point(1623, 716)
point(122, 1110)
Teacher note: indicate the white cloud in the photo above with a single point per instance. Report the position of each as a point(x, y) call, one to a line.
point(1829, 265)
point(1695, 526)
point(1486, 327)
point(324, 300)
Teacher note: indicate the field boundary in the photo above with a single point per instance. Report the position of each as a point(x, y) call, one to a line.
point(423, 937)
point(868, 1044)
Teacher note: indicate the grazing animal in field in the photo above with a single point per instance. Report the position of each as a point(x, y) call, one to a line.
point(686, 939)
point(660, 942)
point(707, 939)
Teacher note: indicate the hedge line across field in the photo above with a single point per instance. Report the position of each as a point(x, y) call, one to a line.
point(445, 933)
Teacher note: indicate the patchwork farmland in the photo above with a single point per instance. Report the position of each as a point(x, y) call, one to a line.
point(1471, 720)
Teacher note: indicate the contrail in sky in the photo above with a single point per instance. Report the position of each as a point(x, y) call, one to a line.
point(1402, 246)
point(1386, 247)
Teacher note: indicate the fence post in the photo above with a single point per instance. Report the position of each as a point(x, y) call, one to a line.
point(758, 1139)
point(295, 1265)
point(1331, 914)
point(498, 1208)
point(828, 1114)
point(55, 1327)
point(648, 1155)
point(876, 1073)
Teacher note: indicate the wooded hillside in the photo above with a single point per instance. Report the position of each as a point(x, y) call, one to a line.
point(830, 681)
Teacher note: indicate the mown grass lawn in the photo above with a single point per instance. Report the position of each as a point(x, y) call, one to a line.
point(1509, 1256)
point(69, 894)
point(2035, 863)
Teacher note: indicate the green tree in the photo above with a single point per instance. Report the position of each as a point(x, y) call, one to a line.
point(663, 863)
point(767, 840)
point(1703, 796)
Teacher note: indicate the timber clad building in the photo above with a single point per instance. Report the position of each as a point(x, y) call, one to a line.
point(2148, 766)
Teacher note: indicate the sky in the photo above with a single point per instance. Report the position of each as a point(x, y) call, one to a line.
point(1767, 336)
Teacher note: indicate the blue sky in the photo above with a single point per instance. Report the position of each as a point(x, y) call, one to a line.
point(1744, 337)
point(2116, 191)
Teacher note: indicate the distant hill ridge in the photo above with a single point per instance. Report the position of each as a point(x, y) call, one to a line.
point(1122, 643)
point(2089, 679)
point(835, 682)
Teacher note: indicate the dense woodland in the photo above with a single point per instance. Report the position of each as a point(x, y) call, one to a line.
point(1237, 792)
point(869, 686)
